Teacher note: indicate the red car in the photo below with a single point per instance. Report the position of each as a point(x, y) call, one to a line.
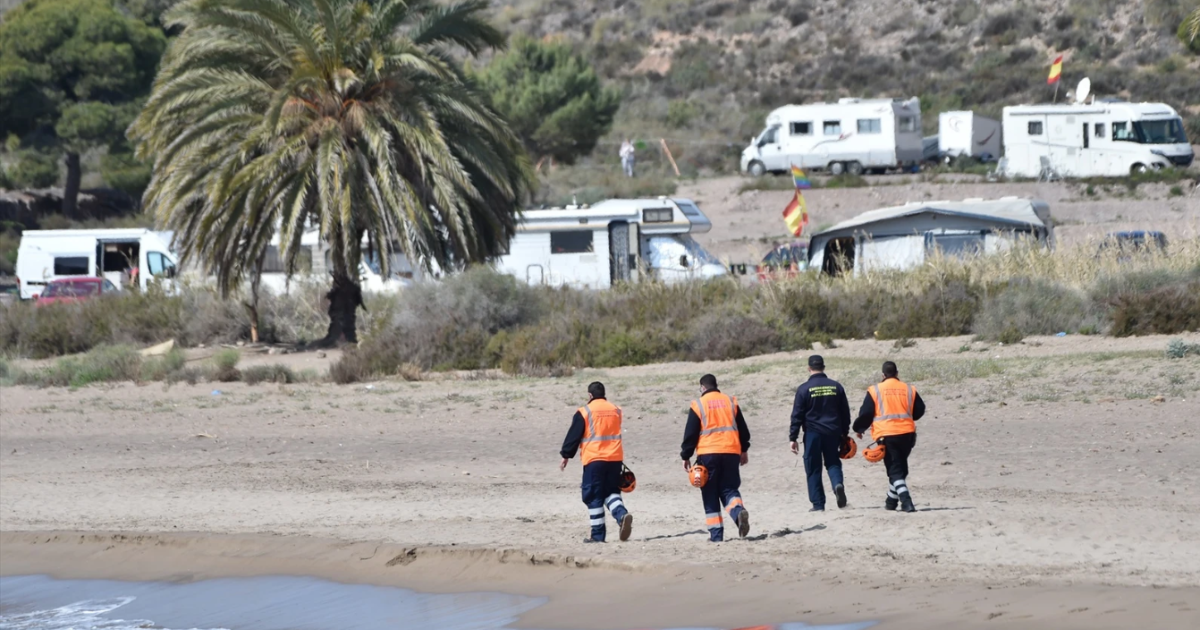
point(66, 290)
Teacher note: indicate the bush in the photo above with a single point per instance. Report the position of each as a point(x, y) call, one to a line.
point(1177, 349)
point(1164, 311)
point(103, 364)
point(162, 368)
point(1030, 307)
point(225, 364)
point(268, 374)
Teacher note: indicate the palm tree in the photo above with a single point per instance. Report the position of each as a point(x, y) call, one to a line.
point(1193, 24)
point(349, 115)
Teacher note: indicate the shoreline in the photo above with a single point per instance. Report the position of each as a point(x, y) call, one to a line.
point(585, 593)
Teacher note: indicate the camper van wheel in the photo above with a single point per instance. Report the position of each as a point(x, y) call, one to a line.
point(757, 169)
point(854, 168)
point(1137, 169)
point(836, 168)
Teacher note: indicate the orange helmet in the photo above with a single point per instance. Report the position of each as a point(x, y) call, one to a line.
point(848, 448)
point(628, 480)
point(698, 475)
point(874, 453)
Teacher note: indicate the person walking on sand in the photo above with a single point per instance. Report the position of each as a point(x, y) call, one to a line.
point(822, 412)
point(596, 432)
point(627, 156)
point(891, 410)
point(717, 433)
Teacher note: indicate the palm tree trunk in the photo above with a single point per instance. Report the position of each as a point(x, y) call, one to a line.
point(70, 200)
point(344, 300)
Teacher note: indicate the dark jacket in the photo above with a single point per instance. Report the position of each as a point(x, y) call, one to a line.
point(866, 413)
point(821, 405)
point(691, 432)
point(574, 435)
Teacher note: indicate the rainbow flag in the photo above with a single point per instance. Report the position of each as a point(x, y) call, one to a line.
point(1055, 71)
point(800, 178)
point(795, 215)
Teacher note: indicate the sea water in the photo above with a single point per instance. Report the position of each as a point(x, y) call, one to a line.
point(39, 602)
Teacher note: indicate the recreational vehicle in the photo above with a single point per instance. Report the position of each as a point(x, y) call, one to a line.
point(314, 260)
point(1103, 139)
point(123, 257)
point(852, 135)
point(613, 241)
point(967, 134)
point(902, 237)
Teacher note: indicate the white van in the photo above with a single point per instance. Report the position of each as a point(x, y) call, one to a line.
point(1103, 139)
point(851, 135)
point(116, 255)
point(967, 134)
point(613, 241)
point(314, 261)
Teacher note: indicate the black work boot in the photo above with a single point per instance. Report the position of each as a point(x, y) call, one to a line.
point(906, 503)
point(840, 492)
point(891, 504)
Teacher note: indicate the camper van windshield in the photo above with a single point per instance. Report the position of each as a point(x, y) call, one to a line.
point(1160, 131)
point(769, 136)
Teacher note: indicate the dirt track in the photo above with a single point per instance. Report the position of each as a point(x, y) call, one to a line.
point(1047, 465)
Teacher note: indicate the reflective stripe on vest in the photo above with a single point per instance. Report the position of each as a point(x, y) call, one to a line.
point(718, 424)
point(601, 433)
point(893, 414)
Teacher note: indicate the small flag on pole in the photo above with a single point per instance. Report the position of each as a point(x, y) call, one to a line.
point(1055, 71)
point(799, 177)
point(796, 214)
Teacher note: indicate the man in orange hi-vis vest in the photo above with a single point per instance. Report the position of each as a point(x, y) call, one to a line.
point(596, 432)
point(891, 410)
point(717, 433)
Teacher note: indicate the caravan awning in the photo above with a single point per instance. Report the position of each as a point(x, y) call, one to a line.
point(1014, 213)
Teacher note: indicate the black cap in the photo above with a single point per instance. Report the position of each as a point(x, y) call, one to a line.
point(815, 361)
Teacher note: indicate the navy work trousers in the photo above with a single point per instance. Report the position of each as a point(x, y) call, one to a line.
point(821, 448)
point(602, 489)
point(724, 479)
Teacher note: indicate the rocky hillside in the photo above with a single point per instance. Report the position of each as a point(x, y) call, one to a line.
point(706, 71)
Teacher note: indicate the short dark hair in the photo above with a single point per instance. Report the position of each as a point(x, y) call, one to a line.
point(596, 389)
point(890, 369)
point(708, 381)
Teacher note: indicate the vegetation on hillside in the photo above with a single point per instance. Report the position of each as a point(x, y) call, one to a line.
point(72, 76)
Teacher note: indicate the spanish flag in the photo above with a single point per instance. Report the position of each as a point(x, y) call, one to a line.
point(1055, 71)
point(796, 215)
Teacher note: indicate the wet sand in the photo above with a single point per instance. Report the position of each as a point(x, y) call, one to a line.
point(1057, 484)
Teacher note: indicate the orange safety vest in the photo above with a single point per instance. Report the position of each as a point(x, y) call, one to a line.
point(718, 424)
point(601, 432)
point(893, 408)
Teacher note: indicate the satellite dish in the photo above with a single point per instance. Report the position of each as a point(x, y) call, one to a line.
point(1082, 90)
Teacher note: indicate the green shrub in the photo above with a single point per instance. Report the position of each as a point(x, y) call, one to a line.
point(100, 365)
point(161, 368)
point(1031, 307)
point(268, 374)
point(1164, 311)
point(225, 365)
point(1177, 349)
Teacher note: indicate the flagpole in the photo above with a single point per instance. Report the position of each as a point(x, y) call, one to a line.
point(1056, 84)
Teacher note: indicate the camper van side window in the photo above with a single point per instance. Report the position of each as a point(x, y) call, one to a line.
point(1035, 127)
point(656, 215)
point(1099, 130)
point(801, 129)
point(1121, 131)
point(571, 242)
point(71, 266)
point(908, 124)
point(833, 127)
point(870, 125)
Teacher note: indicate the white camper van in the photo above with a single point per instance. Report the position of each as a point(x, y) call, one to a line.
point(46, 255)
point(612, 241)
point(967, 134)
point(851, 135)
point(1104, 139)
point(314, 260)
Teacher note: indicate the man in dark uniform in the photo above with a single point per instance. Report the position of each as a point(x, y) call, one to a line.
point(596, 432)
point(717, 434)
point(891, 410)
point(822, 412)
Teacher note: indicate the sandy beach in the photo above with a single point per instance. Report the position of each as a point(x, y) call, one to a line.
point(1056, 483)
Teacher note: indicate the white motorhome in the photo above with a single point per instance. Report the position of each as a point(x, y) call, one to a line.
point(1102, 139)
point(314, 260)
point(967, 134)
point(46, 255)
point(613, 241)
point(851, 135)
